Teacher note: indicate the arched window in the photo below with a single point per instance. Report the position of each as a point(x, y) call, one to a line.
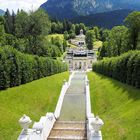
point(80, 65)
point(84, 63)
point(75, 65)
point(91, 62)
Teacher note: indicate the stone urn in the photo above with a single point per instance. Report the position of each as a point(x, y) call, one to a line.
point(97, 124)
point(50, 117)
point(25, 122)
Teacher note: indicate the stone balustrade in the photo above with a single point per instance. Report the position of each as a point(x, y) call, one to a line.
point(94, 124)
point(61, 97)
point(42, 129)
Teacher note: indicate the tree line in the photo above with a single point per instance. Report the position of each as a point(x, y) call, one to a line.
point(120, 55)
point(17, 68)
point(26, 53)
point(27, 33)
point(121, 39)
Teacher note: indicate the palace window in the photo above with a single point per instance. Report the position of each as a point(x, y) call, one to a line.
point(91, 62)
point(84, 63)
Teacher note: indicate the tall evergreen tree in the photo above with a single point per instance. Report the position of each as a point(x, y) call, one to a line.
point(132, 21)
point(9, 25)
point(90, 38)
point(119, 40)
point(96, 30)
point(13, 22)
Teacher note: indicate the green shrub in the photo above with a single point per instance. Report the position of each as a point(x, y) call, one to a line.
point(17, 68)
point(125, 68)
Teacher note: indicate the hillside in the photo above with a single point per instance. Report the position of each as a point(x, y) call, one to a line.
point(1, 12)
point(106, 20)
point(118, 105)
point(72, 8)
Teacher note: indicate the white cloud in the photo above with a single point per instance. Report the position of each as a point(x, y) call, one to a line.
point(20, 4)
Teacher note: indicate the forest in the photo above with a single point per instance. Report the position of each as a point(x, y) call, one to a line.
point(26, 34)
point(25, 53)
point(121, 58)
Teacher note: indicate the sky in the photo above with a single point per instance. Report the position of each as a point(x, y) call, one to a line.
point(21, 4)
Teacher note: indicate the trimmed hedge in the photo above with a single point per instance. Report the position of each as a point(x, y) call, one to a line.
point(125, 68)
point(17, 68)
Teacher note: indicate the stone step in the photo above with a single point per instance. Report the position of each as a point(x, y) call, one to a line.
point(68, 130)
point(60, 138)
point(69, 125)
point(81, 122)
point(68, 134)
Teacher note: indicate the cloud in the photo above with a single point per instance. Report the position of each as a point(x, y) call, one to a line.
point(20, 4)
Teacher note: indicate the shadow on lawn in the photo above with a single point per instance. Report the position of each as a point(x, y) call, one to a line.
point(132, 92)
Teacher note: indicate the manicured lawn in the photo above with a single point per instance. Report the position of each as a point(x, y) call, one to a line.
point(97, 44)
point(60, 36)
point(118, 105)
point(34, 99)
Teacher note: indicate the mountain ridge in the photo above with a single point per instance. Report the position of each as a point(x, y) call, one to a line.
point(105, 20)
point(62, 9)
point(1, 12)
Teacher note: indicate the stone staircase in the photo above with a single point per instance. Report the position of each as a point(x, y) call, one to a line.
point(68, 130)
point(71, 119)
point(71, 124)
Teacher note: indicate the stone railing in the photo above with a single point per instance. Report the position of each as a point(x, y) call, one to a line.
point(61, 97)
point(94, 124)
point(88, 102)
point(42, 129)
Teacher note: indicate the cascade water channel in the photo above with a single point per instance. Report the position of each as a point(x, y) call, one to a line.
point(72, 121)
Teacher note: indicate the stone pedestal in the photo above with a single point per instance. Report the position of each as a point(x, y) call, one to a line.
point(96, 124)
point(96, 135)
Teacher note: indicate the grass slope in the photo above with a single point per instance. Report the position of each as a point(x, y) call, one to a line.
point(97, 44)
point(60, 36)
point(34, 99)
point(118, 105)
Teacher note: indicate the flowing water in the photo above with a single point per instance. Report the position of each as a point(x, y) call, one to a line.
point(71, 124)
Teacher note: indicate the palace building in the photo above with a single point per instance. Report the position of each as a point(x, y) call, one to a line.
point(79, 40)
point(80, 59)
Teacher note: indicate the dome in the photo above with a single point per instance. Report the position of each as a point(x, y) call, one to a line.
point(81, 32)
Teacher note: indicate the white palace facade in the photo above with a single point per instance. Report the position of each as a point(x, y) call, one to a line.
point(80, 58)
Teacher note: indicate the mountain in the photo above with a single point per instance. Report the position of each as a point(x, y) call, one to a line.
point(105, 20)
point(72, 8)
point(59, 8)
point(1, 12)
